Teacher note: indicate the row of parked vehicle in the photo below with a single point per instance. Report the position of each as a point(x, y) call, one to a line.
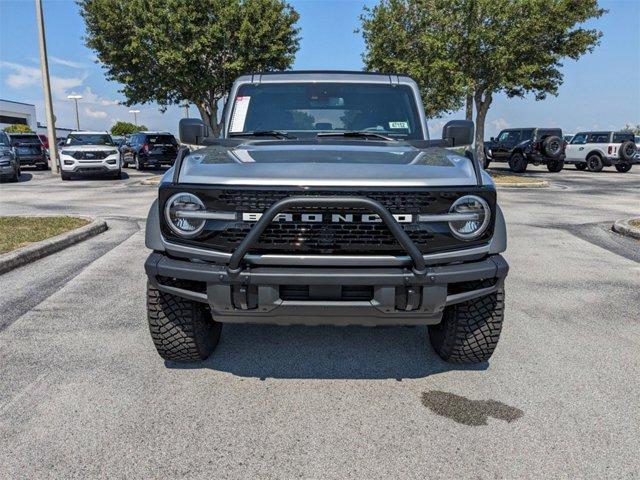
point(87, 153)
point(520, 147)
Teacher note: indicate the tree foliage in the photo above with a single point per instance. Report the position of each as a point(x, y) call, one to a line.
point(457, 49)
point(126, 128)
point(18, 128)
point(635, 129)
point(169, 51)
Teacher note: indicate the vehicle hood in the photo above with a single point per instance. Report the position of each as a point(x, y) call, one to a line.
point(88, 148)
point(321, 163)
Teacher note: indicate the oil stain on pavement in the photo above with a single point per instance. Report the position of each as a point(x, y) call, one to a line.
point(468, 412)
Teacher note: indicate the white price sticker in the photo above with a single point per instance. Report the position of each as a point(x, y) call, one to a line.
point(239, 114)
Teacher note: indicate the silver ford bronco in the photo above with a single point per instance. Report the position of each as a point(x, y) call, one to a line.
point(324, 202)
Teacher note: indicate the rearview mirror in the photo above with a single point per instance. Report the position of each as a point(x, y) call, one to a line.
point(458, 132)
point(192, 131)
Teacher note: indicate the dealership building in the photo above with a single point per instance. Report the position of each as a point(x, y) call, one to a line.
point(12, 113)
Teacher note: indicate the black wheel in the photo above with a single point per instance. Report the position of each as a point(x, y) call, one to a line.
point(627, 150)
point(486, 163)
point(182, 330)
point(469, 331)
point(581, 166)
point(594, 163)
point(65, 176)
point(623, 167)
point(125, 164)
point(117, 175)
point(552, 146)
point(555, 166)
point(517, 163)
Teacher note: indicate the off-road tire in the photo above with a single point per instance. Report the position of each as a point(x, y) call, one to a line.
point(594, 163)
point(469, 331)
point(552, 146)
point(517, 163)
point(627, 150)
point(182, 330)
point(581, 166)
point(555, 166)
point(623, 167)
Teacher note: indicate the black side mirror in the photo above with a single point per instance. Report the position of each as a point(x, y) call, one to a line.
point(192, 131)
point(492, 139)
point(458, 132)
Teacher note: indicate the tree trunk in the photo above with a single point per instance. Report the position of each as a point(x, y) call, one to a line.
point(469, 109)
point(209, 114)
point(482, 107)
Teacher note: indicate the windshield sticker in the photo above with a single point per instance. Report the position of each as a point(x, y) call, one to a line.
point(404, 125)
point(239, 114)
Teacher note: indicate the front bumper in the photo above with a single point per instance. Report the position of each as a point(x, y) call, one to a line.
point(400, 296)
point(33, 160)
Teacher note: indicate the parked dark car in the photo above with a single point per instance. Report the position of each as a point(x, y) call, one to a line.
point(9, 164)
point(29, 150)
point(150, 149)
point(521, 146)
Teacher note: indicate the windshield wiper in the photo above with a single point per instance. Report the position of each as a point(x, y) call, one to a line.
point(263, 133)
point(358, 134)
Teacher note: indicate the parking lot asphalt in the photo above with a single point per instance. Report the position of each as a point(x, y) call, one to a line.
point(83, 393)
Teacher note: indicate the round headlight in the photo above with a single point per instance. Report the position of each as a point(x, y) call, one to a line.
point(477, 213)
point(177, 213)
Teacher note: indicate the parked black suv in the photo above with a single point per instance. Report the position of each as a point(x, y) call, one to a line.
point(521, 146)
point(29, 150)
point(150, 149)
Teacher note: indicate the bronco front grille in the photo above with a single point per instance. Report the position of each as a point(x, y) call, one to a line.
point(325, 237)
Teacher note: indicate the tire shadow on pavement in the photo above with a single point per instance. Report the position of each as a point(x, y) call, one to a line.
point(325, 352)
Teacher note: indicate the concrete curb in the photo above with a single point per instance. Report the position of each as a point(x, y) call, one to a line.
point(152, 180)
point(31, 253)
point(624, 227)
point(540, 184)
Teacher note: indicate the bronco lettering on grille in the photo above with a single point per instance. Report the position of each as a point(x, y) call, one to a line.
point(327, 217)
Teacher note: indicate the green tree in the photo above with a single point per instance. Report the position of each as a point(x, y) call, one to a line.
point(460, 50)
point(126, 128)
point(18, 128)
point(635, 129)
point(170, 51)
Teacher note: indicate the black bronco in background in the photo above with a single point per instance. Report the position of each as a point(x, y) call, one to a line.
point(29, 150)
point(325, 202)
point(521, 146)
point(149, 149)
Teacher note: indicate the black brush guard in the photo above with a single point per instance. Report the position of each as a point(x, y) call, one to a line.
point(235, 263)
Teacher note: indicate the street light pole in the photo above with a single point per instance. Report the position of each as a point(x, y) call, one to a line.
point(135, 116)
point(186, 109)
point(46, 87)
point(76, 98)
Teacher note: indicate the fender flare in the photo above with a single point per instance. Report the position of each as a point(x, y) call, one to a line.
point(152, 235)
point(498, 243)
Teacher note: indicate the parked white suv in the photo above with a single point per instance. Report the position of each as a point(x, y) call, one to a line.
point(595, 150)
point(89, 153)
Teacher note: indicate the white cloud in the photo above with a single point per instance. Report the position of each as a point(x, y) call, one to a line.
point(499, 124)
point(95, 113)
point(24, 76)
point(66, 63)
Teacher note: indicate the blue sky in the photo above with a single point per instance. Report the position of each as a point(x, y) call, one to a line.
point(601, 90)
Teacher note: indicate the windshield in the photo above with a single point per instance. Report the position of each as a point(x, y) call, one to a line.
point(305, 109)
point(25, 139)
point(89, 139)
